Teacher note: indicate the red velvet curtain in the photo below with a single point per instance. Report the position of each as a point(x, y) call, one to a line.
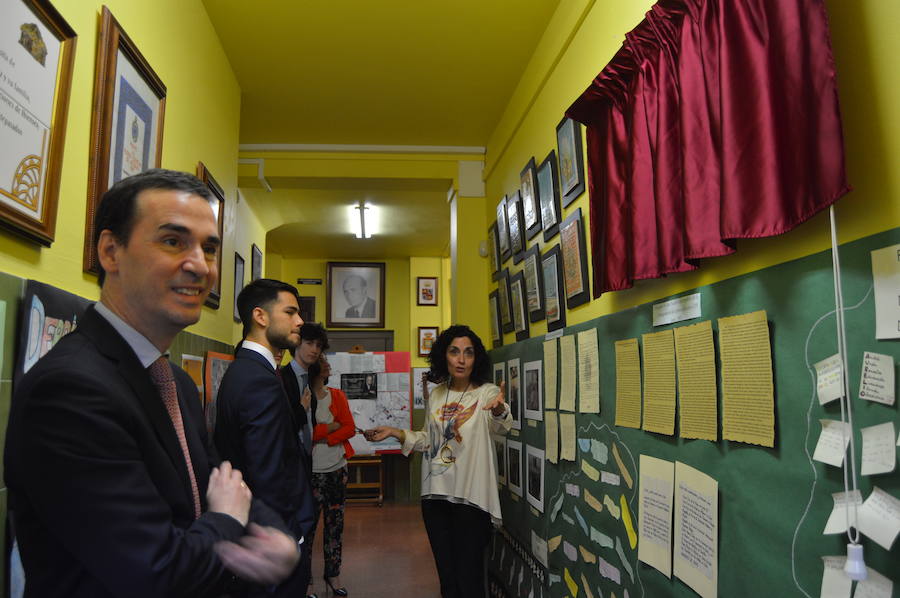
point(716, 120)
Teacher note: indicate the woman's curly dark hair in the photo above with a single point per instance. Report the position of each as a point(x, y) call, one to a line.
point(437, 358)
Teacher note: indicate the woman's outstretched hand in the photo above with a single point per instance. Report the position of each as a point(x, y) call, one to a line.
point(497, 404)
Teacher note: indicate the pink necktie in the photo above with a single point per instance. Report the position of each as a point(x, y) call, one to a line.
point(161, 373)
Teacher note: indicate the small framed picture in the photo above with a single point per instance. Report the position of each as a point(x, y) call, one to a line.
point(256, 262)
point(503, 230)
point(217, 203)
point(493, 248)
point(427, 336)
point(126, 123)
point(514, 466)
point(362, 386)
point(574, 253)
point(427, 293)
point(531, 206)
point(499, 373)
point(308, 309)
point(355, 295)
point(516, 232)
point(517, 297)
point(238, 282)
point(571, 160)
point(534, 284)
point(216, 364)
point(548, 192)
point(534, 395)
point(500, 451)
point(554, 297)
point(503, 298)
point(514, 392)
point(494, 315)
point(534, 467)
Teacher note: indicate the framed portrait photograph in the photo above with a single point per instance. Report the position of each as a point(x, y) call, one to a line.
point(499, 373)
point(256, 262)
point(517, 298)
point(534, 394)
point(217, 203)
point(494, 315)
point(500, 451)
point(360, 386)
point(127, 121)
point(503, 230)
point(534, 468)
point(355, 295)
point(516, 232)
point(238, 282)
point(514, 466)
point(38, 48)
point(427, 336)
point(571, 160)
point(574, 253)
point(531, 205)
point(493, 248)
point(554, 291)
point(426, 290)
point(534, 284)
point(548, 193)
point(503, 298)
point(514, 392)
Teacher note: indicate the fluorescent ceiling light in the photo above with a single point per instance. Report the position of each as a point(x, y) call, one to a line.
point(363, 220)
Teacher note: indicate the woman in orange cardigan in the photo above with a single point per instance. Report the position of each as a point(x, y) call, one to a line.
point(331, 449)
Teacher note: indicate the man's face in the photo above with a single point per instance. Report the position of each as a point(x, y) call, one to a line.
point(354, 291)
point(283, 331)
point(308, 352)
point(159, 281)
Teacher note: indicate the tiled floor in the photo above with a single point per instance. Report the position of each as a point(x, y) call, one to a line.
point(386, 554)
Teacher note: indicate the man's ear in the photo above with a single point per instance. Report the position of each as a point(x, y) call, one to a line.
point(261, 317)
point(108, 251)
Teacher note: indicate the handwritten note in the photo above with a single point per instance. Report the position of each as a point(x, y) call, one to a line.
point(567, 436)
point(567, 373)
point(655, 513)
point(886, 277)
point(550, 386)
point(588, 372)
point(879, 518)
point(835, 583)
point(748, 395)
point(843, 501)
point(829, 379)
point(833, 441)
point(879, 454)
point(697, 397)
point(628, 384)
point(875, 585)
point(659, 382)
point(696, 559)
point(877, 380)
point(551, 436)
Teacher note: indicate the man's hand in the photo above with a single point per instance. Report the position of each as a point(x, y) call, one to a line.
point(227, 493)
point(306, 398)
point(264, 556)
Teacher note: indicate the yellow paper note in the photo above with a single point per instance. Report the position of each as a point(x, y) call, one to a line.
point(622, 469)
point(655, 513)
point(553, 543)
point(587, 588)
point(748, 404)
point(659, 382)
point(550, 374)
point(697, 397)
point(588, 372)
point(567, 373)
point(573, 587)
point(592, 501)
point(626, 519)
point(567, 436)
point(587, 555)
point(551, 436)
point(610, 506)
point(628, 384)
point(589, 470)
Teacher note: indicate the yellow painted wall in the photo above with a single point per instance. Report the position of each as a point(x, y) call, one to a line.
point(581, 38)
point(202, 121)
point(426, 315)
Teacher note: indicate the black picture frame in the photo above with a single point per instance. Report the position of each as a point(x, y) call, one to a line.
point(308, 308)
point(503, 231)
point(238, 283)
point(338, 304)
point(534, 284)
point(554, 289)
point(496, 326)
point(574, 253)
point(516, 231)
point(502, 278)
point(531, 203)
point(571, 160)
point(217, 203)
point(256, 262)
point(493, 247)
point(517, 298)
point(548, 192)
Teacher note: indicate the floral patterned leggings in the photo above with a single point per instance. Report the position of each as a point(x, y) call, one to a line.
point(329, 490)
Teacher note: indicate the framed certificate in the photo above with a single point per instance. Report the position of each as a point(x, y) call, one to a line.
point(36, 68)
point(217, 203)
point(127, 122)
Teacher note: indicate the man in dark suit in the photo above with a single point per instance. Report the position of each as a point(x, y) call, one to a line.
point(356, 294)
point(255, 425)
point(112, 489)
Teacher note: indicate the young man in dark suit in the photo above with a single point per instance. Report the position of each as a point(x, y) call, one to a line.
point(113, 491)
point(255, 425)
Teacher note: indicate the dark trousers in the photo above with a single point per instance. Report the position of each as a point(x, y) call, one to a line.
point(459, 535)
point(330, 492)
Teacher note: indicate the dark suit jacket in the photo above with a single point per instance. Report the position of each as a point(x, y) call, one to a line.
point(292, 388)
point(99, 489)
point(368, 310)
point(256, 431)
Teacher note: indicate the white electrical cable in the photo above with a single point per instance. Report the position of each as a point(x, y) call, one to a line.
point(846, 407)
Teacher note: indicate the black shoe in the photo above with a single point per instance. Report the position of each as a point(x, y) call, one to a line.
point(336, 592)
